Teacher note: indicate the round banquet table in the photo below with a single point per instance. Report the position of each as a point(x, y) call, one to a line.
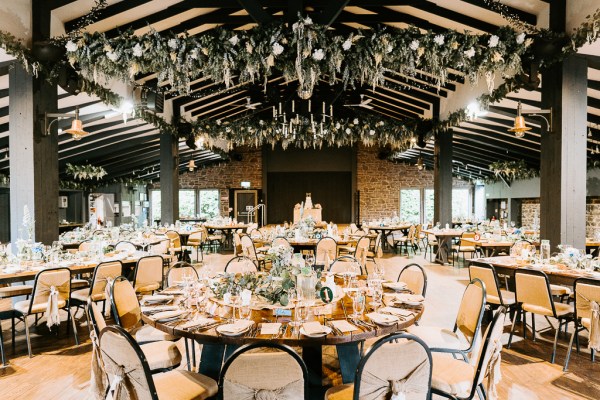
point(216, 347)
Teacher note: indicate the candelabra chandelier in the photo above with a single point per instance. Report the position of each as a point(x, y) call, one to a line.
point(292, 120)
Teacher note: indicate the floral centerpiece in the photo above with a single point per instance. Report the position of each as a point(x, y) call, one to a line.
point(230, 283)
point(570, 256)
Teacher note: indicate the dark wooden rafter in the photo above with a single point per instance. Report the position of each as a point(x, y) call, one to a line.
point(522, 15)
point(256, 11)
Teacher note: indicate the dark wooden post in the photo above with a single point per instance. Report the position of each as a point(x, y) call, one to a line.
point(33, 155)
point(563, 165)
point(442, 178)
point(169, 178)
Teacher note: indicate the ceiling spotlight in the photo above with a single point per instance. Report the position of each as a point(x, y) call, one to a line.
point(519, 127)
point(420, 165)
point(191, 165)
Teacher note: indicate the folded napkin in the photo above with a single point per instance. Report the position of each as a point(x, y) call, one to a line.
point(197, 323)
point(396, 311)
point(156, 309)
point(236, 327)
point(344, 326)
point(314, 328)
point(403, 298)
point(394, 285)
point(167, 315)
point(270, 328)
point(383, 319)
point(155, 299)
point(174, 292)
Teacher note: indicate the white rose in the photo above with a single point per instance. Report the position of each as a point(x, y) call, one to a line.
point(308, 21)
point(172, 43)
point(71, 46)
point(194, 54)
point(337, 125)
point(137, 50)
point(439, 39)
point(318, 54)
point(520, 38)
point(348, 131)
point(414, 45)
point(112, 56)
point(277, 49)
point(355, 122)
point(470, 53)
point(371, 132)
point(493, 41)
point(347, 44)
point(234, 40)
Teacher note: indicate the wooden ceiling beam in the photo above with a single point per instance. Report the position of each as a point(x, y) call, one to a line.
point(522, 15)
point(107, 12)
point(463, 19)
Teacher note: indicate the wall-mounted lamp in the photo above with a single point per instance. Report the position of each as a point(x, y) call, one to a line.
point(76, 126)
point(192, 165)
point(520, 128)
point(420, 165)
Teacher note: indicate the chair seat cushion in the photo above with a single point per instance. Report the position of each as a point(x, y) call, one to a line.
point(341, 392)
point(184, 385)
point(83, 294)
point(507, 297)
point(451, 375)
point(147, 333)
point(161, 355)
point(561, 309)
point(194, 242)
point(150, 287)
point(558, 290)
point(23, 306)
point(439, 338)
point(79, 283)
point(586, 322)
point(17, 290)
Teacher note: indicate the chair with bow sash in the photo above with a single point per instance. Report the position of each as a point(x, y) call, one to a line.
point(177, 272)
point(240, 265)
point(326, 252)
point(415, 278)
point(128, 314)
point(161, 355)
point(51, 292)
point(456, 379)
point(148, 274)
point(465, 337)
point(131, 379)
point(276, 374)
point(534, 295)
point(344, 264)
point(587, 315)
point(397, 367)
point(104, 273)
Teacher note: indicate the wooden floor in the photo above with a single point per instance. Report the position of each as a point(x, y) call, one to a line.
point(60, 370)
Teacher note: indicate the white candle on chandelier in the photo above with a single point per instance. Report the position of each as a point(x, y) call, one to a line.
point(331, 110)
point(308, 105)
point(293, 106)
point(311, 119)
point(274, 112)
point(279, 108)
point(323, 107)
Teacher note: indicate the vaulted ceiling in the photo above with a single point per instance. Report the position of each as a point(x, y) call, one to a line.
point(132, 147)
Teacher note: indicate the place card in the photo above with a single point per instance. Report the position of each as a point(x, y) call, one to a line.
point(270, 328)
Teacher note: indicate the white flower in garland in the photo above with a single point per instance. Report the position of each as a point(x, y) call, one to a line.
point(439, 39)
point(355, 121)
point(194, 54)
point(348, 131)
point(277, 48)
point(172, 43)
point(112, 56)
point(389, 49)
point(414, 45)
point(71, 46)
point(137, 50)
point(470, 53)
point(337, 125)
point(494, 40)
point(249, 48)
point(308, 21)
point(347, 44)
point(520, 38)
point(234, 40)
point(318, 54)
point(371, 132)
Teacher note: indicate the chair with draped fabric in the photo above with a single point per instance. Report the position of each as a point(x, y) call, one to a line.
point(326, 252)
point(128, 314)
point(587, 315)
point(415, 278)
point(278, 373)
point(104, 273)
point(130, 376)
point(459, 380)
point(248, 250)
point(148, 274)
point(465, 337)
point(240, 265)
point(51, 292)
point(533, 295)
point(397, 366)
point(178, 271)
point(161, 355)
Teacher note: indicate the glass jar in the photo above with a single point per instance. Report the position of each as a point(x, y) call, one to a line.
point(545, 251)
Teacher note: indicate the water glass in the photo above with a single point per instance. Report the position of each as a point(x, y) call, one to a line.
point(358, 305)
point(245, 311)
point(301, 312)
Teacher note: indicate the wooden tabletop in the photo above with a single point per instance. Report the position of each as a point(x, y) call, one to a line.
point(387, 227)
point(444, 232)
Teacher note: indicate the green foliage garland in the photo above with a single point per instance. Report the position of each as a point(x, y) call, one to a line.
point(512, 170)
point(83, 172)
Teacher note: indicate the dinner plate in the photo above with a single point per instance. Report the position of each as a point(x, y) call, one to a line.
point(224, 329)
point(396, 286)
point(327, 331)
point(394, 320)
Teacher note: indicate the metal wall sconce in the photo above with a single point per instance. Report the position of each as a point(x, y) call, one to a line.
point(76, 126)
point(519, 127)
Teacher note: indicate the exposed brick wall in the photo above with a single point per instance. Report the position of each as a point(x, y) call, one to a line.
point(592, 216)
point(529, 208)
point(380, 181)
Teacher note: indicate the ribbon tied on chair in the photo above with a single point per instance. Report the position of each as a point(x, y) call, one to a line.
point(52, 316)
point(413, 386)
point(583, 303)
point(122, 386)
point(290, 391)
point(98, 379)
point(494, 373)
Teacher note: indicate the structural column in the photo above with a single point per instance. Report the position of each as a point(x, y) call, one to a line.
point(169, 178)
point(442, 178)
point(563, 166)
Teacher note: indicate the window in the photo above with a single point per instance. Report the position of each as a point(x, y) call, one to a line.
point(410, 205)
point(429, 197)
point(461, 204)
point(155, 201)
point(187, 203)
point(209, 203)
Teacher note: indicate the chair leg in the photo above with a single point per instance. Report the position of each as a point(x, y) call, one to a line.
point(74, 327)
point(570, 348)
point(524, 323)
point(26, 322)
point(555, 342)
point(481, 392)
point(512, 330)
point(13, 332)
point(2, 347)
point(187, 354)
point(533, 326)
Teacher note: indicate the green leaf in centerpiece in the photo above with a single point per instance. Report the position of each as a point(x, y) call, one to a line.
point(283, 300)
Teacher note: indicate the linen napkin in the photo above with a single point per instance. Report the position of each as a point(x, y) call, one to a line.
point(270, 328)
point(394, 285)
point(156, 299)
point(198, 323)
point(236, 327)
point(396, 311)
point(314, 328)
point(167, 315)
point(172, 291)
point(382, 319)
point(156, 309)
point(344, 326)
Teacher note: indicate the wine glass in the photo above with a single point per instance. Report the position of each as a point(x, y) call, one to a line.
point(245, 310)
point(301, 312)
point(376, 295)
point(358, 305)
point(310, 260)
